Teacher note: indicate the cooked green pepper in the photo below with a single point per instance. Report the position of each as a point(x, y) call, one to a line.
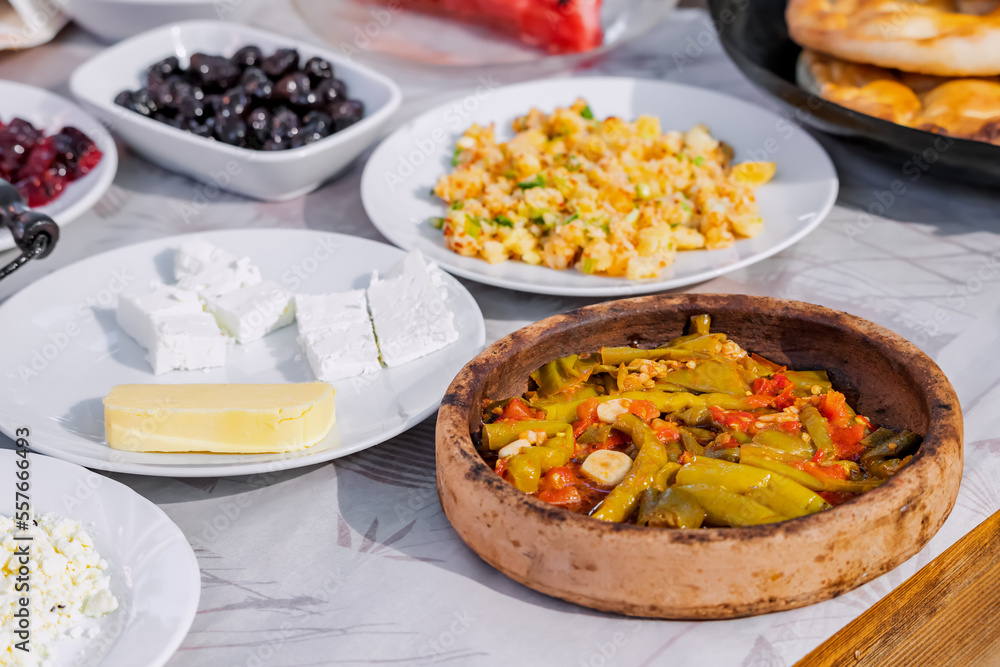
point(807, 480)
point(561, 375)
point(804, 381)
point(700, 324)
point(528, 465)
point(725, 508)
point(818, 430)
point(652, 456)
point(500, 434)
point(710, 376)
point(884, 446)
point(786, 442)
point(613, 356)
point(781, 494)
point(690, 443)
point(664, 477)
point(696, 415)
point(676, 507)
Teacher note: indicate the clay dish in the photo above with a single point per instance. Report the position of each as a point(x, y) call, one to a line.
point(713, 572)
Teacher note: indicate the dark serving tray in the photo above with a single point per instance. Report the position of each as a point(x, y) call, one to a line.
point(755, 36)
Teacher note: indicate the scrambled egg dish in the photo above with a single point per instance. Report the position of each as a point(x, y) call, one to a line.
point(608, 197)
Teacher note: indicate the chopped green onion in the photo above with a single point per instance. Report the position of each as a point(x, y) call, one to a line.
point(503, 221)
point(437, 223)
point(643, 190)
point(606, 227)
point(572, 218)
point(473, 227)
point(698, 161)
point(589, 264)
point(538, 181)
point(454, 157)
point(686, 207)
point(587, 113)
point(457, 205)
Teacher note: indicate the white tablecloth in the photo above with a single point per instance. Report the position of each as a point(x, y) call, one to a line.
point(353, 562)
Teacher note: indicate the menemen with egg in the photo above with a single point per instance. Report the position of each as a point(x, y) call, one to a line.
point(694, 433)
point(609, 197)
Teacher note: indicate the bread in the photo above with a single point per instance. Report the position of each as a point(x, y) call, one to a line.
point(931, 37)
point(967, 108)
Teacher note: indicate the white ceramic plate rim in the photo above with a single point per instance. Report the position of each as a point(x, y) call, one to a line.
point(186, 603)
point(81, 92)
point(87, 190)
point(372, 191)
point(294, 459)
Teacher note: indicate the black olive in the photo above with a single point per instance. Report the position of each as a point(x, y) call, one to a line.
point(280, 63)
point(318, 69)
point(248, 56)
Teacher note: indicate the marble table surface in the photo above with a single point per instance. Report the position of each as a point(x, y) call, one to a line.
point(353, 562)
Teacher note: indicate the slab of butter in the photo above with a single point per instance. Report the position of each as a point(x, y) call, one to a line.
point(220, 418)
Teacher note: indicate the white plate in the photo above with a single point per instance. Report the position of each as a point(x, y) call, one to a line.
point(113, 20)
point(50, 113)
point(153, 570)
point(271, 176)
point(397, 180)
point(414, 37)
point(67, 331)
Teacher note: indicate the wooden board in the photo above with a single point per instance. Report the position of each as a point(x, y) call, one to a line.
point(947, 614)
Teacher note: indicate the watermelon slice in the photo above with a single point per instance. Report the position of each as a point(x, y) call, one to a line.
point(559, 26)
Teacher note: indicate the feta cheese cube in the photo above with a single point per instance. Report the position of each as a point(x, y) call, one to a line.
point(195, 255)
point(215, 280)
point(336, 333)
point(250, 313)
point(171, 324)
point(409, 312)
point(187, 342)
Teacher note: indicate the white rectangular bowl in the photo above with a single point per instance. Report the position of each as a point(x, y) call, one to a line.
point(272, 176)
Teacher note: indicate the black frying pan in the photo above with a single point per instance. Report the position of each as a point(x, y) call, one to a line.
point(755, 36)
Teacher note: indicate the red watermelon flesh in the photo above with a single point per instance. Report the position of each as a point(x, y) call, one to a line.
point(559, 26)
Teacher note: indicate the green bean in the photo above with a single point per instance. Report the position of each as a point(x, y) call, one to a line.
point(674, 508)
point(652, 456)
point(818, 430)
point(781, 494)
point(500, 434)
point(725, 508)
point(809, 481)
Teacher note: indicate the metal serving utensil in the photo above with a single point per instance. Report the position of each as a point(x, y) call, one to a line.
point(35, 234)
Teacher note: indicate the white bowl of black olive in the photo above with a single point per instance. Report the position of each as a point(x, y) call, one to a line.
point(237, 108)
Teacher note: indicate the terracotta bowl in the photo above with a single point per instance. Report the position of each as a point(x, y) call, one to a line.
point(713, 572)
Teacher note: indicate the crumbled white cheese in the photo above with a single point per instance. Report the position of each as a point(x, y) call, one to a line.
point(409, 312)
point(68, 585)
point(171, 324)
point(253, 312)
